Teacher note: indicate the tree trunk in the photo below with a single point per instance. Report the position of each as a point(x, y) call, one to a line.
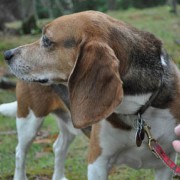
point(59, 5)
point(174, 6)
point(48, 5)
point(112, 4)
point(28, 14)
point(9, 11)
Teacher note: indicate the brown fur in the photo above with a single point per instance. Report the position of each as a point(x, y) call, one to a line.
point(42, 99)
point(94, 146)
point(90, 83)
point(175, 103)
point(116, 122)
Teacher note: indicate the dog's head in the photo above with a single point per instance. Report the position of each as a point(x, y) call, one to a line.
point(75, 49)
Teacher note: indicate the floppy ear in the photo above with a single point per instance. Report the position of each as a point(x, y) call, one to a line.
point(94, 85)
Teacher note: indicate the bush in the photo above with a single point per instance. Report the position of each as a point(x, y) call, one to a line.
point(29, 26)
point(147, 3)
point(83, 5)
point(125, 4)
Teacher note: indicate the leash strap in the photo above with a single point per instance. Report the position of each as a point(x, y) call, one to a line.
point(159, 152)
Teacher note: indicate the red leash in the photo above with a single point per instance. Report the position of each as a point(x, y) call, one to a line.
point(159, 152)
point(157, 149)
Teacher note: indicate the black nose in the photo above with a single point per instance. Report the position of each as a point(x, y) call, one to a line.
point(8, 55)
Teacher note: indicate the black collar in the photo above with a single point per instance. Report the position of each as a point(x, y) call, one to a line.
point(155, 94)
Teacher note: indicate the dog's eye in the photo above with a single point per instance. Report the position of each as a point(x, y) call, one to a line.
point(46, 42)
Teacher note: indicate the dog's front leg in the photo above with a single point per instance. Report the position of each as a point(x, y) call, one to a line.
point(97, 163)
point(98, 170)
point(62, 143)
point(26, 128)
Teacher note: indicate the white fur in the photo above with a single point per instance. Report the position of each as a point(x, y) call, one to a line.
point(130, 104)
point(62, 143)
point(99, 169)
point(163, 61)
point(118, 146)
point(27, 129)
point(9, 109)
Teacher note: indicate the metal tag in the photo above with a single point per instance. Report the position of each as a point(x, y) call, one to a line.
point(140, 131)
point(139, 137)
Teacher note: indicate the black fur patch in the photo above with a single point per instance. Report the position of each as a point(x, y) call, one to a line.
point(145, 68)
point(69, 43)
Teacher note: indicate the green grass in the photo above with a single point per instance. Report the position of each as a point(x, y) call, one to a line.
point(40, 159)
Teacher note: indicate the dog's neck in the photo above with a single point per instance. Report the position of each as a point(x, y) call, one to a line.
point(144, 79)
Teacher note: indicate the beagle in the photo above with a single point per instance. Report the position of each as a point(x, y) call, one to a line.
point(111, 69)
point(34, 103)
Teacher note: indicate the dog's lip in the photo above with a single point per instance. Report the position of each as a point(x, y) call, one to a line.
point(42, 81)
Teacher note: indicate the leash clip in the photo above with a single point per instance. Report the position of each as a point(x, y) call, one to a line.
point(149, 135)
point(143, 128)
point(147, 130)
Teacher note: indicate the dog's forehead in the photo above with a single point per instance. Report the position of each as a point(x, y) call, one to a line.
point(73, 20)
point(73, 25)
point(59, 26)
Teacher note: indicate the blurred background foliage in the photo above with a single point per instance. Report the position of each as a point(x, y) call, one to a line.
point(28, 12)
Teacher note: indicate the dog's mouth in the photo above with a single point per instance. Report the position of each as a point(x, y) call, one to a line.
point(44, 77)
point(42, 81)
